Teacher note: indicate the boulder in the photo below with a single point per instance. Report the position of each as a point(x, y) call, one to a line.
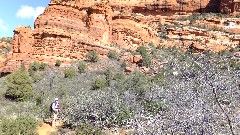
point(137, 58)
point(129, 69)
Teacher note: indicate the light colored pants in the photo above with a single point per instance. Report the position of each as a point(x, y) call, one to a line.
point(54, 117)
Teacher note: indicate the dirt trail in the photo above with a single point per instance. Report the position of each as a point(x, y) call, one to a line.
point(45, 129)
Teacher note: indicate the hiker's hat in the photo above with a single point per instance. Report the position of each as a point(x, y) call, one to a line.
point(56, 99)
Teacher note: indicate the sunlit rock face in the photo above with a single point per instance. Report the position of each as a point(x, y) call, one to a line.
point(68, 29)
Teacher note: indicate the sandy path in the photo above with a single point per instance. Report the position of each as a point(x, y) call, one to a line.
point(45, 129)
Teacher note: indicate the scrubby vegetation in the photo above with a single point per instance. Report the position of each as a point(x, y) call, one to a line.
point(69, 73)
point(22, 125)
point(112, 54)
point(145, 56)
point(190, 94)
point(82, 67)
point(92, 56)
point(58, 63)
point(19, 85)
point(99, 83)
point(6, 39)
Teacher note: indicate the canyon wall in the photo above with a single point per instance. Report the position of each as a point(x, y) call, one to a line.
point(68, 29)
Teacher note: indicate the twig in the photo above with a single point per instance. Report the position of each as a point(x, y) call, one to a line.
point(229, 121)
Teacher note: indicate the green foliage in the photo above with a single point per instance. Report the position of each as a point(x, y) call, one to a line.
point(58, 63)
point(112, 54)
point(69, 73)
point(20, 126)
point(138, 83)
point(44, 110)
point(160, 77)
point(235, 64)
point(82, 67)
point(19, 86)
point(42, 66)
point(142, 50)
point(163, 32)
point(34, 66)
point(119, 76)
point(109, 77)
point(99, 84)
point(88, 129)
point(38, 100)
point(225, 52)
point(92, 56)
point(123, 65)
point(145, 56)
point(153, 107)
point(123, 115)
point(151, 44)
point(36, 77)
point(146, 60)
point(6, 39)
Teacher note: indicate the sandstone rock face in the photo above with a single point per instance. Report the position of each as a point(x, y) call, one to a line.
point(137, 58)
point(22, 49)
point(229, 6)
point(142, 5)
point(68, 29)
point(129, 69)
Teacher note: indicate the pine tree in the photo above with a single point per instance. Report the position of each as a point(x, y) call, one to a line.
point(19, 86)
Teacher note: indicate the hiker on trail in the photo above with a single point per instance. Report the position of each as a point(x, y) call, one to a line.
point(55, 110)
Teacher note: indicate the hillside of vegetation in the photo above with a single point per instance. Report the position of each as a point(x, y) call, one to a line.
point(190, 94)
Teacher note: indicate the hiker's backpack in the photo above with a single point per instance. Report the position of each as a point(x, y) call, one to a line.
point(50, 108)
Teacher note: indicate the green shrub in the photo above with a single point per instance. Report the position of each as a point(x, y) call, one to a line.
point(38, 100)
point(43, 66)
point(58, 63)
point(123, 65)
point(138, 83)
point(154, 107)
point(88, 129)
point(20, 126)
point(119, 76)
point(36, 77)
point(234, 64)
point(69, 73)
point(44, 111)
point(99, 84)
point(19, 86)
point(146, 60)
point(160, 77)
point(112, 54)
point(82, 67)
point(142, 50)
point(145, 56)
point(163, 32)
point(92, 56)
point(109, 77)
point(124, 114)
point(34, 66)
point(151, 45)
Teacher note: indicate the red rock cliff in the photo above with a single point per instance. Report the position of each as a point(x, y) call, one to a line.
point(68, 29)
